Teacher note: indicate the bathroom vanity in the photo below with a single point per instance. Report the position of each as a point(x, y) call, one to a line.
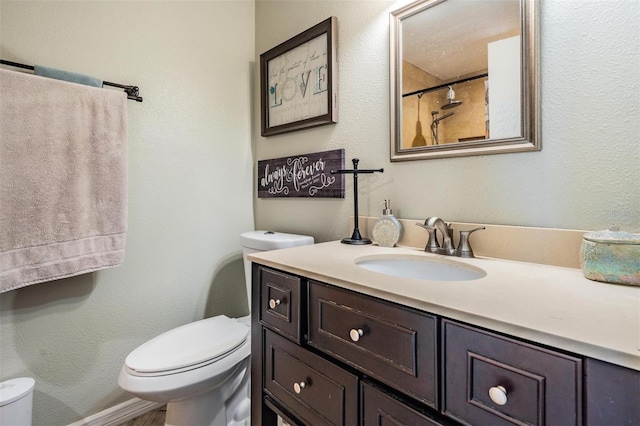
point(334, 343)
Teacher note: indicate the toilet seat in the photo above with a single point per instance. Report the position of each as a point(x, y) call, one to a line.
point(188, 347)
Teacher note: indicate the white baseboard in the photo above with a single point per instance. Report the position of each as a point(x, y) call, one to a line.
point(120, 413)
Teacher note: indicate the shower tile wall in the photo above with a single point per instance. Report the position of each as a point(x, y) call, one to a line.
point(468, 119)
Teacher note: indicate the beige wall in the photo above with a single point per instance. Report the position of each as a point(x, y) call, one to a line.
point(585, 177)
point(468, 120)
point(190, 189)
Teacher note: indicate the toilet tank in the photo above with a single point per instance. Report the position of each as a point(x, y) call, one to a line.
point(256, 241)
point(16, 401)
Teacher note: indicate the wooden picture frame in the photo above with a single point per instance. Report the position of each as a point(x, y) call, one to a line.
point(304, 176)
point(298, 81)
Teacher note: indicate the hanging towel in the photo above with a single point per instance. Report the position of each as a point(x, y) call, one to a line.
point(67, 76)
point(63, 179)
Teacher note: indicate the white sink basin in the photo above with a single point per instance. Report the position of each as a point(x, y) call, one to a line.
point(421, 268)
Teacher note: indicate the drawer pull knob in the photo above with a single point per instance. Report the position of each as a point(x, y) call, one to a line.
point(498, 394)
point(273, 303)
point(356, 334)
point(297, 387)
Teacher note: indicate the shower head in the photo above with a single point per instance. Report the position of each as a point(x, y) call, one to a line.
point(452, 103)
point(439, 119)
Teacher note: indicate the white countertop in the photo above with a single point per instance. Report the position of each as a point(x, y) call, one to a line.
point(550, 305)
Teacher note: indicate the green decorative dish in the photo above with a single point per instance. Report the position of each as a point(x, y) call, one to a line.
point(611, 256)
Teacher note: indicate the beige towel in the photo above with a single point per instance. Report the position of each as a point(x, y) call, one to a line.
point(63, 179)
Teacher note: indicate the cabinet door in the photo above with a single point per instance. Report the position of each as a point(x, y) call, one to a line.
point(313, 389)
point(280, 303)
point(613, 394)
point(492, 380)
point(382, 409)
point(392, 343)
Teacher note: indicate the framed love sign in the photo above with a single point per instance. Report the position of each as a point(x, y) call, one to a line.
point(306, 175)
point(298, 81)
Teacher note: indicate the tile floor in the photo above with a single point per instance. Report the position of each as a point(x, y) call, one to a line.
point(152, 418)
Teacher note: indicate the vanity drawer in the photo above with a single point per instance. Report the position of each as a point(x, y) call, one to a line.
point(280, 303)
point(538, 386)
point(380, 408)
point(394, 344)
point(313, 389)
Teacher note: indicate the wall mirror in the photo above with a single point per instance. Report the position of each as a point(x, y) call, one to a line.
point(464, 78)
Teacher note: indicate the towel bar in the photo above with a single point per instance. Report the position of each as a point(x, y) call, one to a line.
point(132, 91)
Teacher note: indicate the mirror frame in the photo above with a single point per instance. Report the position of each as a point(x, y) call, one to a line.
point(530, 92)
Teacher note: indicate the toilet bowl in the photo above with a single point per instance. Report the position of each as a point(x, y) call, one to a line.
point(202, 369)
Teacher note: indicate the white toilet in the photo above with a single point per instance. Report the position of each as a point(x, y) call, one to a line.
point(202, 369)
point(16, 401)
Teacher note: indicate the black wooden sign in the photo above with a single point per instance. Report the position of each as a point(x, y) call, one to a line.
point(307, 175)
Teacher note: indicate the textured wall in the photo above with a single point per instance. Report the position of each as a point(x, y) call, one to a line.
point(585, 177)
point(190, 189)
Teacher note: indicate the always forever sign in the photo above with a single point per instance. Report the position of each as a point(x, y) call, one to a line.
point(307, 175)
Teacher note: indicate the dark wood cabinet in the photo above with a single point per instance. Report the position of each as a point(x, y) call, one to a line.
point(393, 344)
point(323, 355)
point(313, 389)
point(380, 408)
point(612, 394)
point(493, 380)
point(281, 306)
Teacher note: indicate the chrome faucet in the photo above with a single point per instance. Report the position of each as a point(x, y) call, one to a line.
point(434, 224)
point(437, 224)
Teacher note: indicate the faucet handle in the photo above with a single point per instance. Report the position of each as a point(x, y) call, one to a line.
point(464, 248)
point(432, 245)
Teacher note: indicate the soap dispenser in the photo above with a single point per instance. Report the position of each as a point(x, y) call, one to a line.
point(387, 230)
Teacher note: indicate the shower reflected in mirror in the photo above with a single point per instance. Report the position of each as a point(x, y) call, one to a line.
point(419, 139)
point(435, 121)
point(451, 100)
point(477, 57)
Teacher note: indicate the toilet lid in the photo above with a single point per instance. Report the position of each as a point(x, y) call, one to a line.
point(188, 345)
